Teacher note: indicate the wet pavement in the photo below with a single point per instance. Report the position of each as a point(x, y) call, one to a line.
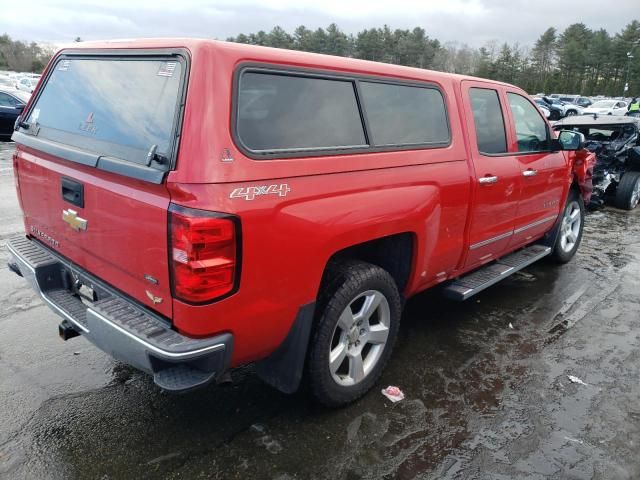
point(483, 400)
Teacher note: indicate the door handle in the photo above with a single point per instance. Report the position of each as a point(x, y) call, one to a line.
point(488, 180)
point(530, 172)
point(72, 191)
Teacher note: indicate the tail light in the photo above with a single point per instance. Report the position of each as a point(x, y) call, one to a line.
point(204, 254)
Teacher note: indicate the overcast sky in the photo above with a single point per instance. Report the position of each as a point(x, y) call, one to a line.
point(465, 21)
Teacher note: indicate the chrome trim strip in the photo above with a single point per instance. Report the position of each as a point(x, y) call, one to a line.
point(490, 240)
point(153, 348)
point(513, 232)
point(535, 224)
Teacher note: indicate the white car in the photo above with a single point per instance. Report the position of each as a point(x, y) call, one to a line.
point(545, 111)
point(572, 109)
point(607, 107)
point(27, 84)
point(6, 81)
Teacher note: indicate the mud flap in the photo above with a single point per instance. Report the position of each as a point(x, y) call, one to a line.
point(283, 368)
point(549, 239)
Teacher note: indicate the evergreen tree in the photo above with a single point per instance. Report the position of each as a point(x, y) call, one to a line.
point(543, 59)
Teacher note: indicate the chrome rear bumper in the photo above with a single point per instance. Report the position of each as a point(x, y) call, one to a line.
point(118, 325)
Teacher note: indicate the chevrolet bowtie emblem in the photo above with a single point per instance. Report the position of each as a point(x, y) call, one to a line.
point(74, 221)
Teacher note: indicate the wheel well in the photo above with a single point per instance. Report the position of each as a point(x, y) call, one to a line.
point(393, 253)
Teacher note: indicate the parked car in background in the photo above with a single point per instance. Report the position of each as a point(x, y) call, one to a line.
point(556, 111)
point(26, 84)
point(12, 103)
point(545, 111)
point(607, 107)
point(288, 236)
point(7, 82)
point(616, 142)
point(564, 107)
point(571, 109)
point(583, 102)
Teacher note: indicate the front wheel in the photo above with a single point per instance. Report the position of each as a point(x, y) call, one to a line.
point(571, 229)
point(628, 191)
point(356, 328)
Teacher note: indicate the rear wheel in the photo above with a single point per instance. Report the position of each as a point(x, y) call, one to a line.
point(571, 228)
point(359, 315)
point(628, 191)
point(571, 113)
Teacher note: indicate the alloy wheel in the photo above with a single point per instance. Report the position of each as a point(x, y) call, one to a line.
point(635, 195)
point(359, 338)
point(570, 228)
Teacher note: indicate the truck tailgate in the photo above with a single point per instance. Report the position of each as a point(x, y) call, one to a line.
point(119, 234)
point(93, 148)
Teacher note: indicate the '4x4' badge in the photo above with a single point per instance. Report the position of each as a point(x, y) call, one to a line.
point(249, 193)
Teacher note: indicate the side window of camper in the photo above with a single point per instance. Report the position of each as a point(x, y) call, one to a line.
point(281, 112)
point(404, 114)
point(293, 113)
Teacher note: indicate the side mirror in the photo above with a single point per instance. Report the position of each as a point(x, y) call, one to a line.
point(569, 140)
point(20, 107)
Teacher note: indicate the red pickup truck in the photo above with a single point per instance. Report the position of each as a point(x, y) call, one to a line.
point(191, 206)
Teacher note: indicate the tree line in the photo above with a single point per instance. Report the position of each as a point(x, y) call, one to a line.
point(577, 60)
point(22, 56)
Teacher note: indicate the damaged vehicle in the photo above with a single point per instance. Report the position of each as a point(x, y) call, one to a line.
point(616, 142)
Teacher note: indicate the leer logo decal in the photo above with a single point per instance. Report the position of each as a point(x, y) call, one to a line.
point(250, 193)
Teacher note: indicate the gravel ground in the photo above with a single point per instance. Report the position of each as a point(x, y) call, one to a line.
point(488, 385)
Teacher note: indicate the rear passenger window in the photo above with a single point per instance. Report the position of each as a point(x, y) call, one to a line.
point(531, 129)
point(404, 115)
point(284, 112)
point(488, 119)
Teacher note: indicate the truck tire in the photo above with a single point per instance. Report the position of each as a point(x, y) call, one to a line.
point(571, 228)
point(571, 113)
point(357, 321)
point(628, 191)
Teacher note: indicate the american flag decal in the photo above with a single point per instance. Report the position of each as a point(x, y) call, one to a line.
point(166, 69)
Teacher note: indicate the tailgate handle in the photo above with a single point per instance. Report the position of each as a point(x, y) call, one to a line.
point(72, 191)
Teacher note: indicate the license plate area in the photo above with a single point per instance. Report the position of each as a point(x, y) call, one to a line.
point(87, 293)
point(82, 286)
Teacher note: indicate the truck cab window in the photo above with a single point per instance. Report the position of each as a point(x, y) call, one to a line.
point(531, 129)
point(488, 120)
